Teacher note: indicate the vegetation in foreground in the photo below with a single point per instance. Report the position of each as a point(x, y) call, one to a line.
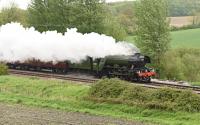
point(71, 97)
point(117, 91)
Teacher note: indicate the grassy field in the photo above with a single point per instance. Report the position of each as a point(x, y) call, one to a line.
point(186, 38)
point(180, 39)
point(70, 97)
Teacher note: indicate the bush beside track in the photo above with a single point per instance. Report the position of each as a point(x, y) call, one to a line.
point(117, 91)
point(3, 69)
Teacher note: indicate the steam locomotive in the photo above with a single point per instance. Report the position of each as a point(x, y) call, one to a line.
point(130, 68)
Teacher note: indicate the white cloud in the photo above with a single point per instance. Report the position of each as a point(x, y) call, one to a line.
point(24, 3)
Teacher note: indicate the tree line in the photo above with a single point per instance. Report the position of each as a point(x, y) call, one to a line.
point(89, 15)
point(183, 7)
point(85, 15)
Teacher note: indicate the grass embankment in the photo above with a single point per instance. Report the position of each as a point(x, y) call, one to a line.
point(181, 39)
point(70, 97)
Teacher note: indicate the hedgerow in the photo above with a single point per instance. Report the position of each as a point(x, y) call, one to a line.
point(117, 91)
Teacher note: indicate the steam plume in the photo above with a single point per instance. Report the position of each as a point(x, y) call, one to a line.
point(20, 44)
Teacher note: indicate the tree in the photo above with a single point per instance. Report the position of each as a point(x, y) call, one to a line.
point(1, 20)
point(36, 15)
point(13, 14)
point(114, 28)
point(86, 15)
point(152, 28)
point(124, 11)
point(92, 14)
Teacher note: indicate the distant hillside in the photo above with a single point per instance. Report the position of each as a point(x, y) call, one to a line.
point(176, 7)
point(182, 13)
point(184, 7)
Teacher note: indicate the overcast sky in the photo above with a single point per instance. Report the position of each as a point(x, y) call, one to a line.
point(23, 3)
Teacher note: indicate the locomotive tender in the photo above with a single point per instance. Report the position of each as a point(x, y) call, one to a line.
point(130, 68)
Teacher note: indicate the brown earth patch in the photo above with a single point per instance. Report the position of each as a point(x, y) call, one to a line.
point(181, 21)
point(22, 115)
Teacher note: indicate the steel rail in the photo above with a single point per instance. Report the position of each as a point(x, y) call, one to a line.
point(51, 75)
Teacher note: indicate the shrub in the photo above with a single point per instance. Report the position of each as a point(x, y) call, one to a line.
point(165, 95)
point(3, 69)
point(108, 88)
point(115, 90)
point(188, 101)
point(174, 100)
point(137, 93)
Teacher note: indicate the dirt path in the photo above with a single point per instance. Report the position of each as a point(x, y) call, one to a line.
point(22, 115)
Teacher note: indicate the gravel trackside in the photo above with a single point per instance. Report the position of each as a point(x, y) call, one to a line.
point(22, 115)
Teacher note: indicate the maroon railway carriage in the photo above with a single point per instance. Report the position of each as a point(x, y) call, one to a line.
point(37, 65)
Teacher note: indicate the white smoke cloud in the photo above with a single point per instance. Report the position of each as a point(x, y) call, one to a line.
point(20, 44)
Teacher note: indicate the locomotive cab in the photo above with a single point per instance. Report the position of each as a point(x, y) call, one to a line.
point(147, 59)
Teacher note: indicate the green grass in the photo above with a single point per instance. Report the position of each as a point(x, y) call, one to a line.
point(186, 38)
point(70, 97)
point(181, 39)
point(195, 83)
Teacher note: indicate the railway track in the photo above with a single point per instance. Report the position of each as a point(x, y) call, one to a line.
point(175, 85)
point(51, 75)
point(154, 84)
